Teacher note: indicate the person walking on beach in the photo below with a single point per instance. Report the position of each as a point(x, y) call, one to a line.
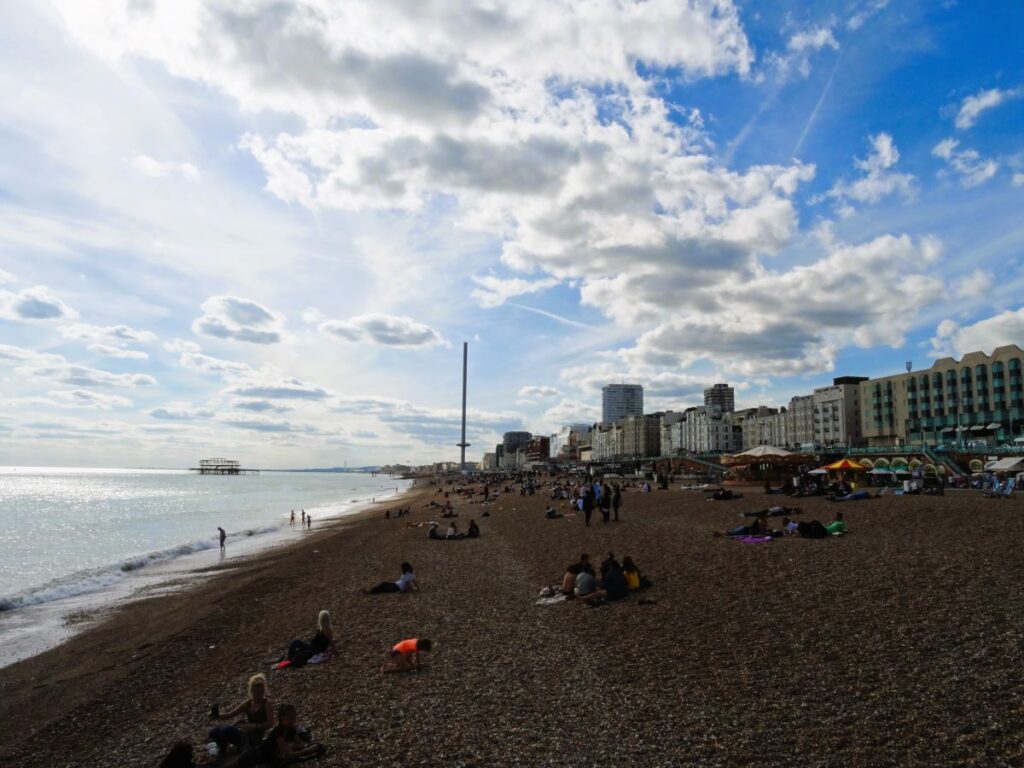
point(606, 503)
point(309, 522)
point(588, 504)
point(223, 538)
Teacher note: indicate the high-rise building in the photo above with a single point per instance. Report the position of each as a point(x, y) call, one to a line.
point(721, 396)
point(621, 400)
point(513, 441)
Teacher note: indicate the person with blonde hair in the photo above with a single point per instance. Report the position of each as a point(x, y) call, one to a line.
point(300, 652)
point(259, 717)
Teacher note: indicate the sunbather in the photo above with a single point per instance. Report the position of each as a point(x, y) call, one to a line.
point(300, 652)
point(259, 716)
point(406, 583)
point(774, 512)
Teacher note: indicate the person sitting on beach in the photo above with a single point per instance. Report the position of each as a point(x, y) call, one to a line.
point(259, 716)
point(300, 652)
point(614, 582)
point(634, 579)
point(405, 655)
point(453, 532)
point(586, 585)
point(432, 531)
point(551, 514)
point(282, 745)
point(474, 530)
point(608, 563)
point(569, 579)
point(406, 583)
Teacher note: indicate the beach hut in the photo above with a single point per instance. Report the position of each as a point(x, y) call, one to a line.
point(866, 463)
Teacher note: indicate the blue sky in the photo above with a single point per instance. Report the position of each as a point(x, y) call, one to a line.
point(265, 230)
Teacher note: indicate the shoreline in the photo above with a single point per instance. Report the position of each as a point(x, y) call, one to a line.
point(56, 612)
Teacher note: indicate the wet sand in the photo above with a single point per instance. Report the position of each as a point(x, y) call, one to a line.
point(899, 644)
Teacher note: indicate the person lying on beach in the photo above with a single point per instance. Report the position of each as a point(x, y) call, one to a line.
point(474, 530)
point(855, 496)
point(300, 652)
point(838, 526)
point(774, 512)
point(759, 527)
point(283, 745)
point(259, 716)
point(551, 514)
point(406, 583)
point(724, 494)
point(405, 655)
point(180, 756)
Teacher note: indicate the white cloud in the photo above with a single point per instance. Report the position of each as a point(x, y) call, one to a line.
point(542, 391)
point(6, 277)
point(58, 370)
point(800, 46)
point(877, 179)
point(985, 335)
point(494, 291)
point(229, 317)
point(111, 334)
point(284, 389)
point(865, 12)
point(191, 356)
point(972, 168)
point(36, 303)
point(83, 398)
point(388, 330)
point(972, 107)
point(106, 350)
point(1018, 179)
point(160, 169)
point(181, 411)
point(974, 285)
point(572, 412)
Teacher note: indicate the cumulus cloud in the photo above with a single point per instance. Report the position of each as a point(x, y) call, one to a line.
point(542, 391)
point(229, 317)
point(58, 370)
point(388, 330)
point(972, 107)
point(106, 350)
point(260, 406)
point(83, 398)
point(494, 291)
point(181, 411)
point(877, 179)
point(974, 285)
point(36, 303)
point(261, 425)
point(191, 356)
point(6, 277)
point(572, 412)
point(161, 169)
point(972, 168)
point(111, 334)
point(985, 335)
point(285, 389)
point(800, 46)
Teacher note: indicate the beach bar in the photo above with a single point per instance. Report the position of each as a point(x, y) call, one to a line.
point(221, 467)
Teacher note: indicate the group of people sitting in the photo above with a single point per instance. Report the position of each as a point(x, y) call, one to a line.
point(388, 514)
point(617, 580)
point(473, 532)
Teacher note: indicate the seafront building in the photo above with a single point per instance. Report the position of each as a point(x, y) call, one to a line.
point(977, 399)
point(564, 442)
point(621, 400)
point(721, 396)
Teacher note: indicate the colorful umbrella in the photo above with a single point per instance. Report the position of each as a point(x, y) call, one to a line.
point(845, 465)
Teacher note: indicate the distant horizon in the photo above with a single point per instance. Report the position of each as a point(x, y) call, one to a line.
point(207, 239)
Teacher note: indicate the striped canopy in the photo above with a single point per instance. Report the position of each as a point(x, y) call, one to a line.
point(847, 465)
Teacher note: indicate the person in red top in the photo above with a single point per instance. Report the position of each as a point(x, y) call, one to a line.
point(405, 656)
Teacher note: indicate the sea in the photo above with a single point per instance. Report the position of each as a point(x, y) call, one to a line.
point(74, 542)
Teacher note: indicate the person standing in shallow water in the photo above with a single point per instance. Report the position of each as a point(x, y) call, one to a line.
point(292, 521)
point(223, 537)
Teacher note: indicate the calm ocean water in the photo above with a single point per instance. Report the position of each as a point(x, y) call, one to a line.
point(66, 533)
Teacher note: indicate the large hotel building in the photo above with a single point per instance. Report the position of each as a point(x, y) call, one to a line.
point(978, 398)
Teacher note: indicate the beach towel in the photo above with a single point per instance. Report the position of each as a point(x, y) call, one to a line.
point(320, 658)
point(752, 539)
point(552, 600)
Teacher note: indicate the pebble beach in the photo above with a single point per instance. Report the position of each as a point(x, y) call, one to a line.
point(898, 644)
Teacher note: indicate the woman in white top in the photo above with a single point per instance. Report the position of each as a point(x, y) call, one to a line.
point(406, 583)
